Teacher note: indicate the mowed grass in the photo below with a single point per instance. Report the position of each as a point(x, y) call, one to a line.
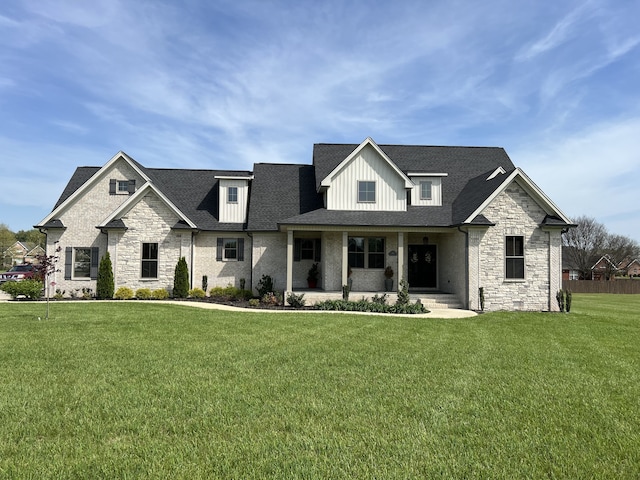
point(147, 390)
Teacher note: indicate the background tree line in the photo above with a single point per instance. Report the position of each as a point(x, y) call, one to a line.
point(589, 241)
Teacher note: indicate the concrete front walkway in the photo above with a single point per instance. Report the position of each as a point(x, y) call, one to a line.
point(433, 313)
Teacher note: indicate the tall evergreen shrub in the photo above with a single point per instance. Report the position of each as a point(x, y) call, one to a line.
point(105, 286)
point(181, 279)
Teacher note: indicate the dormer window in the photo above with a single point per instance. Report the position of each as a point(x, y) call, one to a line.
point(366, 192)
point(232, 194)
point(425, 189)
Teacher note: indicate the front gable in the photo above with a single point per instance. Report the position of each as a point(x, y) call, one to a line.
point(106, 190)
point(366, 180)
point(532, 196)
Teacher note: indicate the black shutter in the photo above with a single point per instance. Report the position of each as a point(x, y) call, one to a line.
point(297, 249)
point(219, 249)
point(132, 186)
point(241, 249)
point(112, 186)
point(317, 250)
point(68, 262)
point(95, 260)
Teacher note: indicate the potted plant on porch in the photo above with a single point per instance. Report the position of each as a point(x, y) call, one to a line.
point(388, 279)
point(312, 276)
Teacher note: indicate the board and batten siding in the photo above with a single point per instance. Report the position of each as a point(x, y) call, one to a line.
point(367, 166)
point(436, 191)
point(235, 212)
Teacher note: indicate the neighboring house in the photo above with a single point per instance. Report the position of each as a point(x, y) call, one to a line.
point(22, 252)
point(629, 267)
point(447, 219)
point(604, 269)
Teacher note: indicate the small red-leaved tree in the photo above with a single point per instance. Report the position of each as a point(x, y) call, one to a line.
point(47, 266)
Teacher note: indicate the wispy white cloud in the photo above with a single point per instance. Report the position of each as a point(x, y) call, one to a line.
point(227, 83)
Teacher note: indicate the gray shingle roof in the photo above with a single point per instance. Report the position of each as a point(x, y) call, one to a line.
point(281, 191)
point(287, 193)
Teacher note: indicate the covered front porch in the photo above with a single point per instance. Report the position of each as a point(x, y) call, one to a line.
point(432, 261)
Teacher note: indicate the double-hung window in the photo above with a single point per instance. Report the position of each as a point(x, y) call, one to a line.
point(514, 257)
point(366, 252)
point(425, 189)
point(366, 192)
point(149, 260)
point(230, 249)
point(81, 262)
point(232, 194)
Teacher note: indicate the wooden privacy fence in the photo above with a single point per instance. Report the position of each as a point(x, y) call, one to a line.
point(590, 286)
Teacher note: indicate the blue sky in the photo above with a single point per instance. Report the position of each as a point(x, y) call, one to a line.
point(224, 84)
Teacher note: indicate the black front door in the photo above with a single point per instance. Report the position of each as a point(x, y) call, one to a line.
point(423, 271)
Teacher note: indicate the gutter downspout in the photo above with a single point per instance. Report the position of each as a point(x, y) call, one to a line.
point(250, 235)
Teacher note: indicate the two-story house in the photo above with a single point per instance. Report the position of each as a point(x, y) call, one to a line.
point(446, 219)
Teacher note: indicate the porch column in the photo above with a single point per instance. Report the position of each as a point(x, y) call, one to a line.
point(400, 259)
point(345, 258)
point(289, 261)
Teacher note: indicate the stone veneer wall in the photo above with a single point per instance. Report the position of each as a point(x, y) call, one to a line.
point(514, 212)
point(149, 221)
point(80, 220)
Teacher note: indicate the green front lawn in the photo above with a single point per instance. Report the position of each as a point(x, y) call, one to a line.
point(146, 390)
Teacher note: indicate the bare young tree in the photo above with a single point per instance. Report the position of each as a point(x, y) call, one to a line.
point(584, 244)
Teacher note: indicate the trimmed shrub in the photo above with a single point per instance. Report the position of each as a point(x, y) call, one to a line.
point(143, 294)
point(160, 294)
point(296, 301)
point(197, 293)
point(32, 289)
point(105, 285)
point(229, 294)
point(124, 293)
point(181, 279)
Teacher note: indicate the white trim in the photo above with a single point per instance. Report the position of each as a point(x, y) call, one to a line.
point(233, 177)
point(326, 181)
point(496, 172)
point(93, 180)
point(423, 174)
point(525, 182)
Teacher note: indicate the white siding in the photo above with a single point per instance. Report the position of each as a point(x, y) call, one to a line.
point(436, 191)
point(367, 166)
point(233, 212)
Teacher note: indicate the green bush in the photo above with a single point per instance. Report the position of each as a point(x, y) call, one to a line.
point(105, 285)
point(160, 294)
point(254, 302)
point(265, 285)
point(229, 294)
point(32, 289)
point(181, 279)
point(197, 293)
point(367, 306)
point(123, 293)
point(296, 301)
point(143, 294)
